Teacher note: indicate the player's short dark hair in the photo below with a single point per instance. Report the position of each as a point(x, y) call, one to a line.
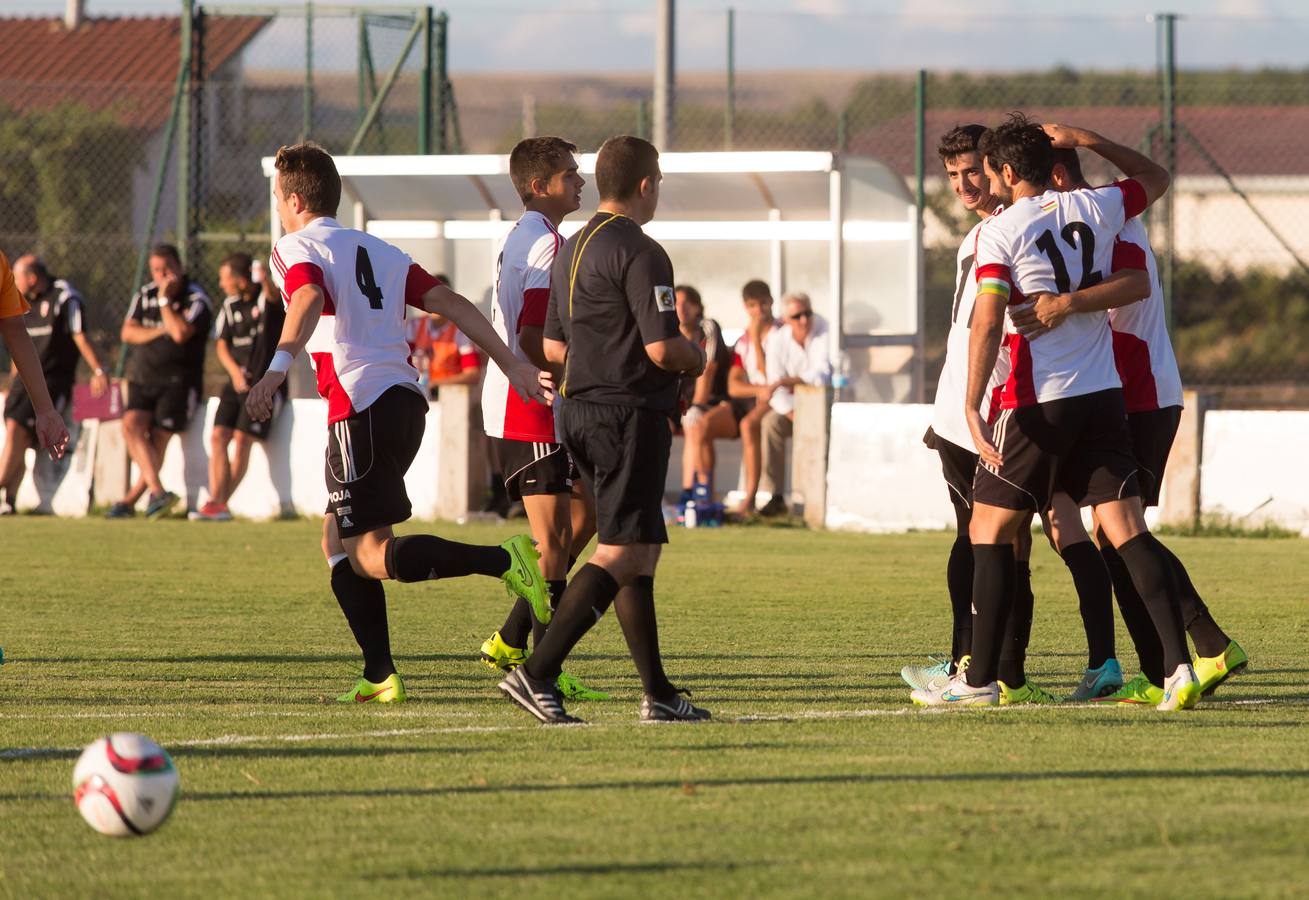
point(622, 164)
point(36, 265)
point(537, 157)
point(240, 264)
point(1068, 158)
point(960, 139)
point(757, 289)
point(691, 294)
point(308, 170)
point(1022, 145)
point(167, 251)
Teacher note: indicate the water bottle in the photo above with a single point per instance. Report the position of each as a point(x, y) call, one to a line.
point(841, 377)
point(690, 518)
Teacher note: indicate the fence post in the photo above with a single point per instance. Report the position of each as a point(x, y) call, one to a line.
point(729, 110)
point(1167, 26)
point(186, 40)
point(307, 120)
point(920, 196)
point(425, 88)
point(361, 73)
point(642, 119)
point(442, 76)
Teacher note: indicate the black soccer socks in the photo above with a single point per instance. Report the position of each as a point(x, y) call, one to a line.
point(557, 589)
point(1210, 640)
point(422, 557)
point(959, 580)
point(1152, 572)
point(1095, 599)
point(1145, 639)
point(363, 600)
point(636, 614)
point(993, 596)
point(584, 601)
point(1017, 629)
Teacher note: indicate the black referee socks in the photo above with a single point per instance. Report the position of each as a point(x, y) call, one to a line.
point(585, 600)
point(1152, 573)
point(993, 597)
point(363, 600)
point(423, 557)
point(1095, 599)
point(636, 614)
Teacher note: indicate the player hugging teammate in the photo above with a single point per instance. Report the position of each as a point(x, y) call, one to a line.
point(1047, 269)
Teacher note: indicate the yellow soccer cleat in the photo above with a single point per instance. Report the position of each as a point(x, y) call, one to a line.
point(499, 655)
point(1029, 692)
point(392, 690)
point(1214, 670)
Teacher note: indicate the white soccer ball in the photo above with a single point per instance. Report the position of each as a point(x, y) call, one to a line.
point(124, 785)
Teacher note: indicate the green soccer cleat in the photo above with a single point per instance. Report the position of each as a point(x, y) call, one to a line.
point(1029, 693)
point(392, 690)
point(1213, 670)
point(523, 577)
point(1139, 692)
point(499, 655)
point(573, 689)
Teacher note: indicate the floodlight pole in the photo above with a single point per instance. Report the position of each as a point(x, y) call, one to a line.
point(1167, 30)
point(729, 109)
point(425, 87)
point(186, 133)
point(307, 115)
point(665, 91)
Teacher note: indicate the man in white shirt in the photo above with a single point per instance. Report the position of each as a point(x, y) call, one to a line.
point(796, 354)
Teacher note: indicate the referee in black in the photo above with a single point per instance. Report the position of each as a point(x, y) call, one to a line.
point(612, 327)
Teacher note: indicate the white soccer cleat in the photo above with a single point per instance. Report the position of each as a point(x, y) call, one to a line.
point(1181, 689)
point(957, 692)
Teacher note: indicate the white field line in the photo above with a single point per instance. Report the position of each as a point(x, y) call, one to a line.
point(241, 739)
point(153, 713)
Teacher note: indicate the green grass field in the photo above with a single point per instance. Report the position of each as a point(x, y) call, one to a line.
point(816, 778)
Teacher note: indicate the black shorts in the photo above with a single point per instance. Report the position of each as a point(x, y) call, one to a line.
point(171, 405)
point(1152, 440)
point(1078, 445)
point(622, 455)
point(534, 468)
point(368, 455)
point(959, 466)
point(18, 405)
point(741, 407)
point(231, 413)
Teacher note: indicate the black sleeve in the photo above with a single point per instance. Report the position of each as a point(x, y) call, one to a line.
point(271, 319)
point(220, 323)
point(554, 326)
point(648, 283)
point(135, 311)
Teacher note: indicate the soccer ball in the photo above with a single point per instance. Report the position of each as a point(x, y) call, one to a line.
point(125, 784)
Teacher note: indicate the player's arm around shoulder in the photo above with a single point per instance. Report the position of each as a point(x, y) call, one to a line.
point(1152, 178)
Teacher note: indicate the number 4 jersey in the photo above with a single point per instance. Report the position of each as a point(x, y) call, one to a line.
point(358, 348)
point(1056, 243)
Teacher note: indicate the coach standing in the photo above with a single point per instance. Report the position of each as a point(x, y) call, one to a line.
point(167, 327)
point(612, 325)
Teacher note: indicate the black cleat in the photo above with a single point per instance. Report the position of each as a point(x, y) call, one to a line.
point(676, 709)
point(540, 698)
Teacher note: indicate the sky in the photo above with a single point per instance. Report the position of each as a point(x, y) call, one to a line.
point(899, 35)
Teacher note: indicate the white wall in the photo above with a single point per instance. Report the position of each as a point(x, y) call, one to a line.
point(1253, 469)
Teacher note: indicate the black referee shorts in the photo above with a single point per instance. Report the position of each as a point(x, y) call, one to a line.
point(368, 455)
point(1153, 433)
point(622, 454)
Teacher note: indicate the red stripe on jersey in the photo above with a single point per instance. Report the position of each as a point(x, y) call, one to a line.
point(330, 389)
point(995, 270)
point(1134, 199)
point(1128, 256)
point(527, 420)
point(417, 283)
point(1132, 358)
point(304, 273)
point(993, 409)
point(278, 264)
point(1020, 389)
point(535, 303)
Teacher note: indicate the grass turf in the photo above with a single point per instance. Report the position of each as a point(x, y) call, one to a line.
point(815, 779)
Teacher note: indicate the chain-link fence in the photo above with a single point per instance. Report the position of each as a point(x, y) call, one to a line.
point(84, 158)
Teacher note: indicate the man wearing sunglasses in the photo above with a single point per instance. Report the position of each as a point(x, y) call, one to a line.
point(796, 354)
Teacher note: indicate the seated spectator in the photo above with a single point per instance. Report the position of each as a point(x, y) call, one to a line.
point(442, 354)
point(54, 323)
point(248, 330)
point(167, 329)
point(709, 417)
point(796, 354)
point(748, 387)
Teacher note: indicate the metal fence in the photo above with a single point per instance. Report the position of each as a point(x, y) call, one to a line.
point(85, 165)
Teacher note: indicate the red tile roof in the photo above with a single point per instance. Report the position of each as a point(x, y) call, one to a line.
point(126, 65)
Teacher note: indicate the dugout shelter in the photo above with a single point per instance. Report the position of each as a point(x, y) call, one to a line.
point(843, 229)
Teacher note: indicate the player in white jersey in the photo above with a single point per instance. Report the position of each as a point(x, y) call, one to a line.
point(1152, 393)
point(1063, 424)
point(537, 467)
point(345, 293)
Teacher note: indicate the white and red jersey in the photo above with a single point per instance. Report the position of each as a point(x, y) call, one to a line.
point(1056, 243)
point(745, 356)
point(1143, 351)
point(358, 348)
point(948, 420)
point(522, 296)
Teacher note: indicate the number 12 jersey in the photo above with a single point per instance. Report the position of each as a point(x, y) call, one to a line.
point(358, 348)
